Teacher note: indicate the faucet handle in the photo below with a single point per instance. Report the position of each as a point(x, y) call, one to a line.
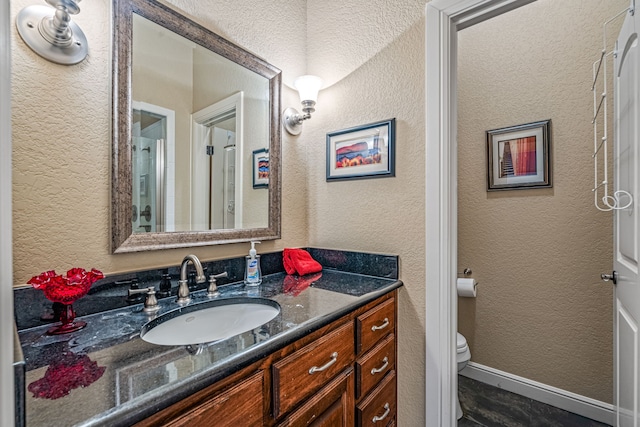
point(134, 298)
point(183, 292)
point(165, 286)
point(213, 287)
point(150, 303)
point(219, 275)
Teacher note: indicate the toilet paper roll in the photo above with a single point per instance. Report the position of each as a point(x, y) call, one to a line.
point(467, 287)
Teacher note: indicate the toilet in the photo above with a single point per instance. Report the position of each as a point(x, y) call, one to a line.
point(462, 357)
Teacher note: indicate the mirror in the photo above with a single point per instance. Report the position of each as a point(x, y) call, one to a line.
point(196, 134)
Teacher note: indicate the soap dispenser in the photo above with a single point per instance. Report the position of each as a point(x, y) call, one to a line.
point(252, 273)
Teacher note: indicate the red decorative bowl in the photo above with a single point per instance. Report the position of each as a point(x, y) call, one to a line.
point(66, 290)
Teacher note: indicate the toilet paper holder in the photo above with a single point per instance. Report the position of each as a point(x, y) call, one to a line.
point(466, 272)
point(466, 286)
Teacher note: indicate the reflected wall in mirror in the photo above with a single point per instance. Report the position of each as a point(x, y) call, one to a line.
point(189, 110)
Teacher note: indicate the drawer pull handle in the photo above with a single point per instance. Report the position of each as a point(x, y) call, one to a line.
point(384, 325)
point(381, 368)
point(386, 412)
point(334, 358)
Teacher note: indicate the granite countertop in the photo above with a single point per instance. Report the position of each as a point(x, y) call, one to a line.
point(105, 374)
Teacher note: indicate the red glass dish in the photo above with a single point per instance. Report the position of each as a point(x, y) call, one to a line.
point(66, 290)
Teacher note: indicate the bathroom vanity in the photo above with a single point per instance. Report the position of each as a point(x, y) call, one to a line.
point(327, 358)
point(341, 373)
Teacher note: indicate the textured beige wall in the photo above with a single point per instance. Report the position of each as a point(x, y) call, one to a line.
point(344, 35)
point(387, 214)
point(542, 311)
point(376, 65)
point(62, 141)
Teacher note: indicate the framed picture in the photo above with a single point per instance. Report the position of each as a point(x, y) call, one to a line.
point(362, 152)
point(261, 168)
point(519, 157)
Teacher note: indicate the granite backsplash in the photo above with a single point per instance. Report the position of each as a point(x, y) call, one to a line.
point(33, 309)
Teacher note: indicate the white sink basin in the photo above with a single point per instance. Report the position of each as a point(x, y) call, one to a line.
point(209, 321)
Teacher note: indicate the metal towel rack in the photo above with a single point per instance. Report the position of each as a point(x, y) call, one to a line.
point(602, 198)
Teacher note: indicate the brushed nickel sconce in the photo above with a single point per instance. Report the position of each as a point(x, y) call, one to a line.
point(308, 87)
point(50, 32)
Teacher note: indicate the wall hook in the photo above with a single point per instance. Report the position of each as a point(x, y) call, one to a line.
point(50, 32)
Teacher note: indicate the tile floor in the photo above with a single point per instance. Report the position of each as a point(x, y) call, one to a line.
point(487, 406)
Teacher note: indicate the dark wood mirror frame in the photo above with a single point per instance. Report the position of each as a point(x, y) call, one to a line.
point(122, 237)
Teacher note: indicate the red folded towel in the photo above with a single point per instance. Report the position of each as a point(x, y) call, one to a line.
point(299, 261)
point(294, 285)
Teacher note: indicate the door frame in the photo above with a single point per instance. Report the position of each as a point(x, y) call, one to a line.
point(6, 257)
point(444, 18)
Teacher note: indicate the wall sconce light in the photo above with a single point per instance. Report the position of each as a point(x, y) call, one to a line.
point(50, 32)
point(308, 88)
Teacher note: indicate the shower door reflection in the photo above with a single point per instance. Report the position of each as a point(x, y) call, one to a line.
point(152, 186)
point(230, 184)
point(222, 176)
point(147, 184)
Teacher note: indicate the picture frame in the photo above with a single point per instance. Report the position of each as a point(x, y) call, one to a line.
point(261, 168)
point(519, 157)
point(361, 152)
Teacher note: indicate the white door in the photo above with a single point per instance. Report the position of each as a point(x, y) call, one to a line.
point(626, 258)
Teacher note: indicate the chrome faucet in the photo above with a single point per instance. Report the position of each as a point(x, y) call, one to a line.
point(183, 287)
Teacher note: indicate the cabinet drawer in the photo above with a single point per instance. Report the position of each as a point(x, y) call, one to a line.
point(374, 365)
point(241, 404)
point(304, 372)
point(332, 406)
point(375, 324)
point(379, 407)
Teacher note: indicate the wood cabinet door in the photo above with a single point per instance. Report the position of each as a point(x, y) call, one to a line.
point(303, 373)
point(379, 407)
point(240, 405)
point(374, 365)
point(332, 406)
point(375, 324)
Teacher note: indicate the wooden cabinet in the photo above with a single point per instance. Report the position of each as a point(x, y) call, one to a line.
point(224, 404)
point(374, 365)
point(375, 324)
point(343, 374)
point(304, 372)
point(376, 388)
point(241, 404)
point(378, 408)
point(332, 406)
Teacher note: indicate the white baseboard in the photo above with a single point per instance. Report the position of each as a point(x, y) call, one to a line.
point(572, 402)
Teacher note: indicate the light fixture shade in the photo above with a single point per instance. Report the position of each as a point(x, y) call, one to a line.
point(308, 87)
